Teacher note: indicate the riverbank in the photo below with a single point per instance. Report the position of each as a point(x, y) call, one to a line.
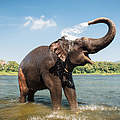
point(98, 74)
point(16, 73)
point(9, 73)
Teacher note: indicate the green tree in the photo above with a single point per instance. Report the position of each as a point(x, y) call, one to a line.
point(98, 67)
point(1, 67)
point(11, 66)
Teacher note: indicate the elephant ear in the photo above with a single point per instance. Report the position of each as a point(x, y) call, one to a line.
point(60, 48)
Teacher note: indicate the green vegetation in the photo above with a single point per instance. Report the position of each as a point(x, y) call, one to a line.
point(8, 73)
point(98, 68)
point(9, 68)
point(104, 68)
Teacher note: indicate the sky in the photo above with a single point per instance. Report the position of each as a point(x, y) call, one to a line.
point(27, 24)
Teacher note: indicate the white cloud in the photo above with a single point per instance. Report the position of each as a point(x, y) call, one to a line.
point(39, 23)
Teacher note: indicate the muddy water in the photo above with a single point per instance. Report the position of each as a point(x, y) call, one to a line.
point(98, 98)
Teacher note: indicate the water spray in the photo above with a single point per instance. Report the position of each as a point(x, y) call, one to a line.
point(73, 32)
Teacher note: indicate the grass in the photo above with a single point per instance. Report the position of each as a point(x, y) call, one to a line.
point(16, 73)
point(97, 74)
point(8, 73)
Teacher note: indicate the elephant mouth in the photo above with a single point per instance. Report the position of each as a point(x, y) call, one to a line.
point(87, 58)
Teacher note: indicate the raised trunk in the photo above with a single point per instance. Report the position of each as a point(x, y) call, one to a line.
point(95, 45)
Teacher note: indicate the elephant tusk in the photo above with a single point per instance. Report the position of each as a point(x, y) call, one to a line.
point(66, 70)
point(88, 60)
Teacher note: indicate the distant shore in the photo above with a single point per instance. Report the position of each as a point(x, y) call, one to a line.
point(9, 73)
point(16, 73)
point(98, 74)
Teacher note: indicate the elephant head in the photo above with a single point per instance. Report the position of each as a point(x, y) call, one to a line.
point(79, 49)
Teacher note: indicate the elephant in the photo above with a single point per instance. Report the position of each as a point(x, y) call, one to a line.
point(50, 67)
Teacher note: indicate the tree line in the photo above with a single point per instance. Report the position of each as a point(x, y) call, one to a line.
point(10, 66)
point(97, 67)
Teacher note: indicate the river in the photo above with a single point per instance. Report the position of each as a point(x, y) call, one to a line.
point(98, 97)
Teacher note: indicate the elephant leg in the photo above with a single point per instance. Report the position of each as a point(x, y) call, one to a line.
point(56, 96)
point(31, 95)
point(71, 97)
point(22, 86)
point(55, 88)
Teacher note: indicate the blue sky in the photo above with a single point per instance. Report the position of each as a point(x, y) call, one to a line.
point(27, 24)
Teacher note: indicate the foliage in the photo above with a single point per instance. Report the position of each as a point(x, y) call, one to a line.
point(98, 67)
point(10, 66)
point(1, 68)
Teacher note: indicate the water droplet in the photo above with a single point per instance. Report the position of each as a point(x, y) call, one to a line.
point(73, 32)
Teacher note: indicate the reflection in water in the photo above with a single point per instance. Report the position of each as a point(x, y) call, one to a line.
point(98, 98)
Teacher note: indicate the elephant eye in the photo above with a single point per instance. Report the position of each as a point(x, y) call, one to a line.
point(55, 49)
point(76, 43)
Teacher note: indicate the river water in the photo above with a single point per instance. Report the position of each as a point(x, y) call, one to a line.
point(98, 97)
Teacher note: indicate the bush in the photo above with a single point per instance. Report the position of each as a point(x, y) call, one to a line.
point(98, 67)
point(11, 66)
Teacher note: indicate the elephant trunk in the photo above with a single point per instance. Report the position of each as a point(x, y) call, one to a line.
point(95, 45)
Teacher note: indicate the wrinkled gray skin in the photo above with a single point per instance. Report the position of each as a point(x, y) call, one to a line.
point(34, 71)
